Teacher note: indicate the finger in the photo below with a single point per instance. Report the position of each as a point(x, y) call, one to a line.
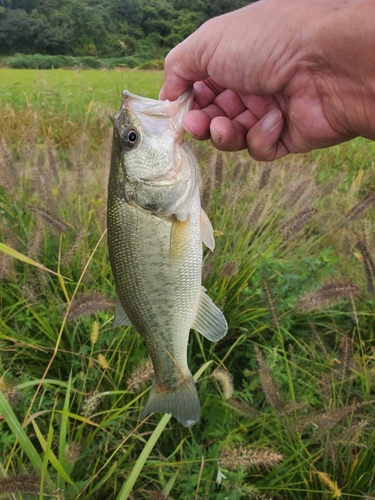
point(263, 139)
point(227, 135)
point(183, 67)
point(197, 122)
point(206, 91)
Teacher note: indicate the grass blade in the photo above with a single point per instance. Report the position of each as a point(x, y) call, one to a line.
point(23, 258)
point(24, 441)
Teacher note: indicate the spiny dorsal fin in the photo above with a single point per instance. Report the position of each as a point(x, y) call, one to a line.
point(210, 321)
point(121, 318)
point(207, 233)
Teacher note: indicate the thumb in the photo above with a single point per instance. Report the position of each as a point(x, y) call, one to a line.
point(184, 66)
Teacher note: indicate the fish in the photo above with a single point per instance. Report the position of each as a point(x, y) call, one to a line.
point(156, 227)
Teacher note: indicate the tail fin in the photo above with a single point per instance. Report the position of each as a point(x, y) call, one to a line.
point(182, 401)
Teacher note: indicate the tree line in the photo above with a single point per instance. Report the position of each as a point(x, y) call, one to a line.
point(103, 28)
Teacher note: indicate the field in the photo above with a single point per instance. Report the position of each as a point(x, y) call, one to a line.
point(287, 396)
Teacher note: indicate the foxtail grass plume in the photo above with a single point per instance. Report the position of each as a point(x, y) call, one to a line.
point(248, 458)
point(90, 303)
point(140, 376)
point(94, 334)
point(297, 191)
point(25, 483)
point(355, 211)
point(345, 357)
point(9, 391)
point(326, 295)
point(55, 222)
point(90, 404)
point(293, 225)
point(265, 175)
point(369, 265)
point(35, 239)
point(229, 269)
point(331, 485)
point(206, 193)
point(325, 389)
point(256, 212)
point(271, 303)
point(225, 380)
point(326, 421)
point(103, 363)
point(270, 389)
point(73, 452)
point(52, 160)
point(9, 173)
point(244, 408)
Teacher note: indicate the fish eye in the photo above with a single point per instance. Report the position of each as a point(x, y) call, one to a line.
point(129, 137)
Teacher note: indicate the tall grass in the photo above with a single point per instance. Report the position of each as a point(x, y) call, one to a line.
point(287, 397)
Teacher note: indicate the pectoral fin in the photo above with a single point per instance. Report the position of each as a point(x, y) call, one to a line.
point(121, 318)
point(210, 321)
point(207, 233)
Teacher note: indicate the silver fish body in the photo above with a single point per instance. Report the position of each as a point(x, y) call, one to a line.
point(155, 232)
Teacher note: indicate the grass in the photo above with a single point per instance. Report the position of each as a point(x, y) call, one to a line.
point(287, 397)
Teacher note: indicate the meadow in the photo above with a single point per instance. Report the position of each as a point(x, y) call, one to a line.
point(287, 396)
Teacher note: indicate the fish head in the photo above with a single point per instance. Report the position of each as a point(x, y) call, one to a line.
point(157, 169)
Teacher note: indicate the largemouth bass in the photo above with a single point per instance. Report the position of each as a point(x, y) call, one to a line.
point(155, 231)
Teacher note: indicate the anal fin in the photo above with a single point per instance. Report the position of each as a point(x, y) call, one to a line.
point(210, 321)
point(121, 318)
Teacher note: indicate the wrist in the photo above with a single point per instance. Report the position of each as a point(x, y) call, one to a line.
point(347, 86)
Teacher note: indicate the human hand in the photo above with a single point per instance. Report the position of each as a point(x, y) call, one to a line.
point(279, 76)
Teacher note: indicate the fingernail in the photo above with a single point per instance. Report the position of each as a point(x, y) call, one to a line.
point(215, 137)
point(270, 120)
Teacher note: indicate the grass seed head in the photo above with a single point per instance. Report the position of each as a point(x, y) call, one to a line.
point(244, 408)
point(73, 453)
point(359, 208)
point(331, 485)
point(55, 222)
point(25, 483)
point(271, 303)
point(94, 334)
point(229, 269)
point(225, 380)
point(369, 265)
point(326, 295)
point(140, 376)
point(90, 303)
point(345, 357)
point(248, 458)
point(103, 363)
point(90, 404)
point(293, 225)
point(270, 389)
point(265, 175)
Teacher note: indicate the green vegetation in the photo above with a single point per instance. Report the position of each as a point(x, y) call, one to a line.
point(287, 397)
point(133, 31)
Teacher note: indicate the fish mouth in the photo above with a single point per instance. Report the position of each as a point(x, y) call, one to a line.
point(155, 108)
point(155, 115)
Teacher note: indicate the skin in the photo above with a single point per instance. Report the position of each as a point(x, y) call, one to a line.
point(279, 76)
